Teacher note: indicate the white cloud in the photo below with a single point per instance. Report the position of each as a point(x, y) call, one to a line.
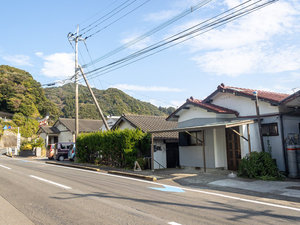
point(146, 88)
point(19, 60)
point(256, 42)
point(252, 59)
point(39, 54)
point(58, 65)
point(160, 16)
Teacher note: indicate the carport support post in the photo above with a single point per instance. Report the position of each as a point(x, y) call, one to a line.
point(203, 144)
point(249, 143)
point(152, 153)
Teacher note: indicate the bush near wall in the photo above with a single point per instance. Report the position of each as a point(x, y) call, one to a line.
point(259, 165)
point(119, 148)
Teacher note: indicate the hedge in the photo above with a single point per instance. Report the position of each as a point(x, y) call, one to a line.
point(119, 148)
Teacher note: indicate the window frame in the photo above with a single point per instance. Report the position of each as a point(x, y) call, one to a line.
point(271, 127)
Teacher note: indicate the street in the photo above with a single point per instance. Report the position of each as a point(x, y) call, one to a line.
point(48, 194)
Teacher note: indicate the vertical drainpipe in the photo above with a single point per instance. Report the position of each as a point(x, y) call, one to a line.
point(283, 145)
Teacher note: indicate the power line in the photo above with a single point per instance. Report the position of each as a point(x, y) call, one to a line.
point(153, 31)
point(207, 27)
point(103, 19)
point(121, 17)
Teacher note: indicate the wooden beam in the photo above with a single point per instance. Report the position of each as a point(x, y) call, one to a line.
point(239, 124)
point(238, 134)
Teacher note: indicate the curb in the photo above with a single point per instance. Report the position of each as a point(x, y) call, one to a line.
point(150, 178)
point(74, 166)
point(120, 173)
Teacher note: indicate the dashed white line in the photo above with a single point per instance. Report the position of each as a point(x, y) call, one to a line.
point(174, 223)
point(51, 182)
point(5, 167)
point(189, 189)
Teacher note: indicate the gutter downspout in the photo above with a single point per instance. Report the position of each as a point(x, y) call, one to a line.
point(283, 145)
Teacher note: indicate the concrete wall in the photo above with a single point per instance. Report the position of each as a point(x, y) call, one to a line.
point(245, 106)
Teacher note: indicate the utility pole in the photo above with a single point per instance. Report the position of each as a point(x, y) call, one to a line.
point(258, 121)
point(76, 38)
point(94, 98)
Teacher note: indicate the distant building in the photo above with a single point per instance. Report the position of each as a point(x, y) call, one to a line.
point(64, 130)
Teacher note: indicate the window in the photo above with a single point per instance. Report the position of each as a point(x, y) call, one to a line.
point(191, 138)
point(269, 129)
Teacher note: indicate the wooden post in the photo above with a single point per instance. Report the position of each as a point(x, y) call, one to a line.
point(152, 153)
point(249, 143)
point(94, 99)
point(203, 144)
point(259, 123)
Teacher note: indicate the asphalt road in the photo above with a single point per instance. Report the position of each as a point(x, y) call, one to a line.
point(48, 194)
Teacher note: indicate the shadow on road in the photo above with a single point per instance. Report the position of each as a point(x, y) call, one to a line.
point(237, 212)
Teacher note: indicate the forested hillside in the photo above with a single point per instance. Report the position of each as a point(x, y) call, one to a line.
point(112, 102)
point(20, 93)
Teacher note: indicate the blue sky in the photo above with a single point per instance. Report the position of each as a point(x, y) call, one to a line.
point(259, 51)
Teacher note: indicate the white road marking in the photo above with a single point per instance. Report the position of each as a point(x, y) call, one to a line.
point(51, 182)
point(5, 167)
point(174, 223)
point(186, 189)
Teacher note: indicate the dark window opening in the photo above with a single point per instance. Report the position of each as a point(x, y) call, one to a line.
point(194, 138)
point(269, 129)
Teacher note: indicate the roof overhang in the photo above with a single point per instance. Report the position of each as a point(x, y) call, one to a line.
point(225, 124)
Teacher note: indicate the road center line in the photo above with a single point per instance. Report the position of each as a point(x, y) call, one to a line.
point(5, 167)
point(51, 182)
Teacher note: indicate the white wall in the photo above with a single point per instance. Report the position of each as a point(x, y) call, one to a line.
point(245, 106)
point(160, 156)
point(254, 139)
point(64, 136)
point(196, 112)
point(192, 156)
point(291, 125)
point(220, 147)
point(125, 125)
point(44, 136)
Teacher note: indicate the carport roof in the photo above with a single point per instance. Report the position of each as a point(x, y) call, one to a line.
point(225, 124)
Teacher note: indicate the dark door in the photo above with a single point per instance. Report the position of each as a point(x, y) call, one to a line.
point(233, 148)
point(172, 155)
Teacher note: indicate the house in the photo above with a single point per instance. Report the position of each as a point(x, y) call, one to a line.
point(63, 130)
point(165, 144)
point(111, 120)
point(226, 126)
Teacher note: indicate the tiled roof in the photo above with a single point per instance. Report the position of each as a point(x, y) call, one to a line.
point(291, 97)
point(151, 123)
point(85, 125)
point(212, 107)
point(266, 95)
point(50, 130)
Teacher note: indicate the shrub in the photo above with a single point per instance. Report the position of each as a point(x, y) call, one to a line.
point(119, 148)
point(259, 165)
point(26, 147)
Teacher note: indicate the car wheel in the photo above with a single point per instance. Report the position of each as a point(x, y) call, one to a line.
point(61, 158)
